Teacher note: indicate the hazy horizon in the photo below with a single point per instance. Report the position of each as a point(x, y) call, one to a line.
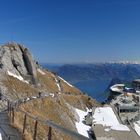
point(96, 62)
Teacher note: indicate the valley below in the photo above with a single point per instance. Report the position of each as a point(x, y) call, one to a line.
point(95, 79)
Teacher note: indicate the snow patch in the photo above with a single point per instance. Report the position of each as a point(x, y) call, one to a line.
point(40, 71)
point(137, 127)
point(17, 76)
point(88, 110)
point(0, 136)
point(82, 128)
point(58, 85)
point(28, 99)
point(120, 127)
point(65, 82)
point(34, 97)
point(52, 94)
point(106, 117)
point(107, 129)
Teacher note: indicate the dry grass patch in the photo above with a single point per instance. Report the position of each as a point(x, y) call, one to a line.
point(47, 82)
point(58, 109)
point(48, 109)
point(70, 90)
point(18, 89)
point(80, 101)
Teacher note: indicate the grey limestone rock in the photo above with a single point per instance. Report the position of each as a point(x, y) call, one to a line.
point(18, 60)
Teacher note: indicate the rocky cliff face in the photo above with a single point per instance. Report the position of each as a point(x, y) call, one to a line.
point(21, 77)
point(18, 60)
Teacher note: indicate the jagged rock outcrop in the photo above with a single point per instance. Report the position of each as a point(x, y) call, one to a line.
point(18, 60)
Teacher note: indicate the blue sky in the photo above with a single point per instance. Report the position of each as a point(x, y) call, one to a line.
point(70, 31)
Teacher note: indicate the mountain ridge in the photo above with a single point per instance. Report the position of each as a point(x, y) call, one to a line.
point(22, 77)
point(78, 72)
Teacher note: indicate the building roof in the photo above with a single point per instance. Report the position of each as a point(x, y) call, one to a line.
point(117, 88)
point(136, 81)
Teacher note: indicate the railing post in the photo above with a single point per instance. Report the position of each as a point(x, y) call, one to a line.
point(24, 124)
point(8, 106)
point(35, 130)
point(13, 115)
point(9, 137)
point(10, 110)
point(50, 133)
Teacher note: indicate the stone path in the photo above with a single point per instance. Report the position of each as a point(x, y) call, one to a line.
point(6, 130)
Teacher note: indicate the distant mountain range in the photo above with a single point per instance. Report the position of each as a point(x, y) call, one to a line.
point(75, 73)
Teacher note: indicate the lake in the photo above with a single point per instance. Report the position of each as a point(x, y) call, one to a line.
point(94, 88)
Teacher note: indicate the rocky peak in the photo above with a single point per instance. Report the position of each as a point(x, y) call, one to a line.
point(18, 60)
point(60, 99)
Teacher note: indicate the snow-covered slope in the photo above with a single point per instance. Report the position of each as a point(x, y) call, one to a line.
point(106, 117)
point(81, 127)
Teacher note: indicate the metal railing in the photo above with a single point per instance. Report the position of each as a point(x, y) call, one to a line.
point(13, 107)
